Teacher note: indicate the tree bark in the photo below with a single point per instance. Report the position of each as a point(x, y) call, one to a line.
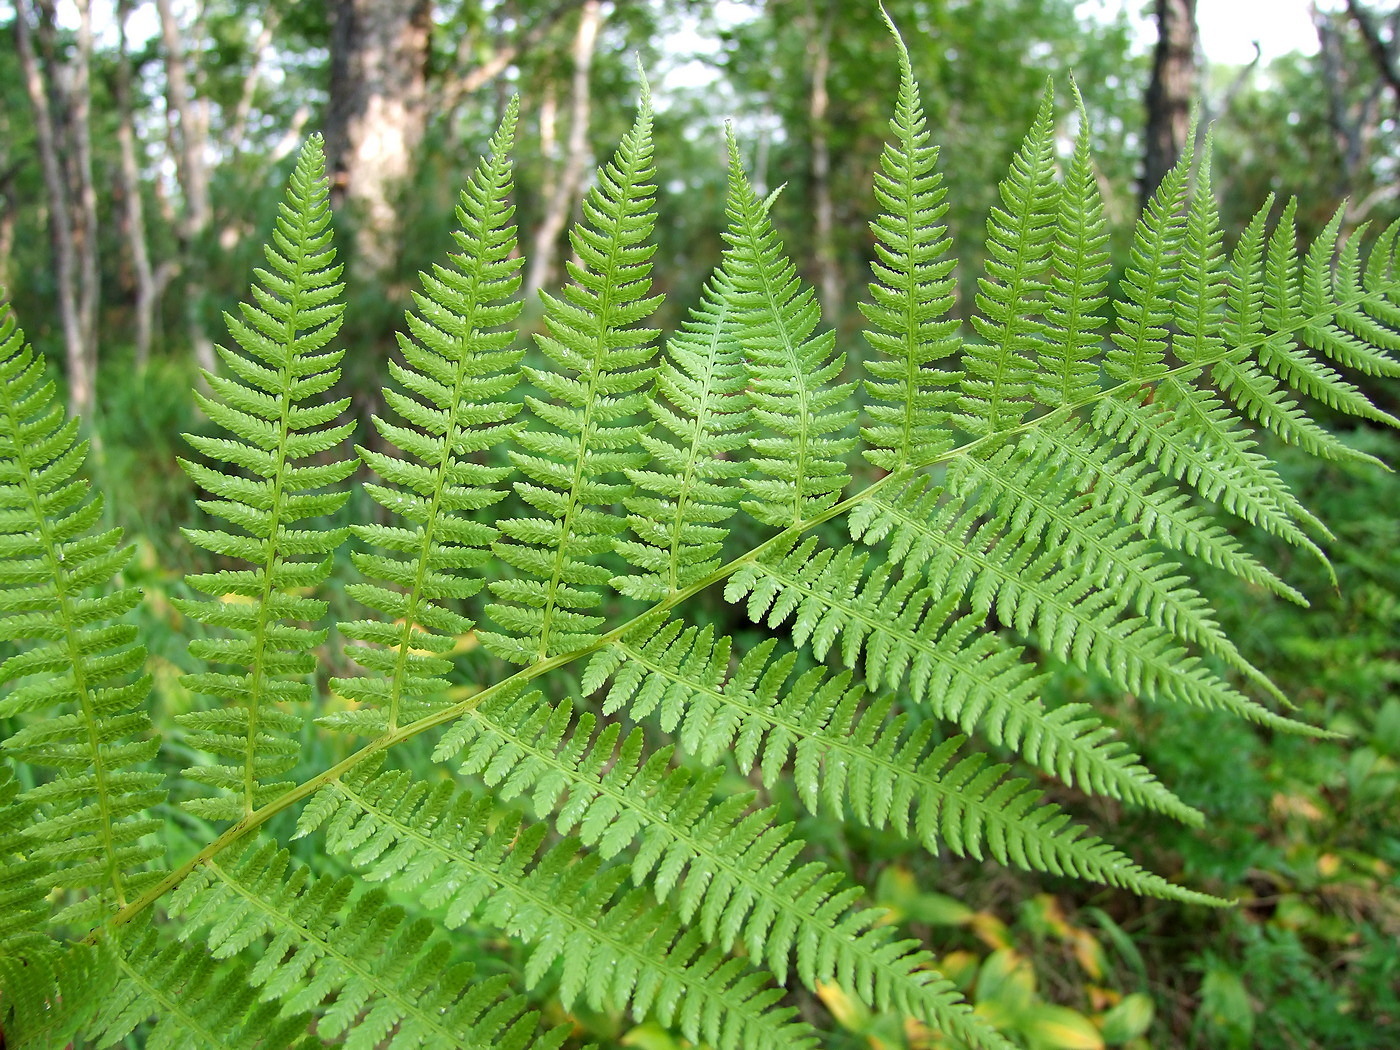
point(1383, 53)
point(376, 119)
point(829, 283)
point(65, 156)
point(1171, 91)
point(560, 204)
point(133, 218)
point(190, 142)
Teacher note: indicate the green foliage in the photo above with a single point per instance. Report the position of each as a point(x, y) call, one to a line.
point(1038, 504)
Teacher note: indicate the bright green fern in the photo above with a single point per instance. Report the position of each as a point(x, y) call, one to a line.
point(1034, 491)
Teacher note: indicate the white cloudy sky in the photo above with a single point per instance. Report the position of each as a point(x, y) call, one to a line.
point(1228, 28)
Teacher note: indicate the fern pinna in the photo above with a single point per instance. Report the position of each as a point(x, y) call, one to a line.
point(1039, 489)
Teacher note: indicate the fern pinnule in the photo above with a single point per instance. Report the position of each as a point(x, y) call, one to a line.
point(23, 910)
point(192, 999)
point(280, 427)
point(848, 758)
point(793, 373)
point(1034, 507)
point(1131, 490)
point(618, 948)
point(1357, 336)
point(1144, 309)
point(369, 977)
point(999, 375)
point(730, 870)
point(79, 690)
point(583, 434)
point(682, 497)
point(457, 375)
point(1069, 351)
point(52, 994)
point(1257, 394)
point(908, 640)
point(912, 293)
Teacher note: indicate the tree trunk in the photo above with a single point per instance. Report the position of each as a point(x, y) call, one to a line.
point(69, 230)
point(560, 204)
point(829, 283)
point(1384, 53)
point(133, 218)
point(190, 142)
point(376, 118)
point(1170, 94)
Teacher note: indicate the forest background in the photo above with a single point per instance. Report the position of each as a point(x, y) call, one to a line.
point(138, 177)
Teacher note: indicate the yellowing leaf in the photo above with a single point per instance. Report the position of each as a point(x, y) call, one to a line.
point(850, 1014)
point(1128, 1020)
point(1060, 1028)
point(1006, 978)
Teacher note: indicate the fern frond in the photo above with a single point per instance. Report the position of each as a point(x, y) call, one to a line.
point(850, 758)
point(51, 996)
point(1131, 490)
point(912, 293)
point(457, 376)
point(1255, 393)
point(727, 868)
point(792, 371)
point(1145, 310)
point(192, 999)
point(1361, 334)
point(1069, 372)
point(23, 910)
point(280, 429)
point(909, 640)
point(682, 498)
point(1186, 433)
point(372, 980)
point(618, 949)
point(1028, 589)
point(999, 375)
point(582, 435)
point(1014, 493)
point(78, 689)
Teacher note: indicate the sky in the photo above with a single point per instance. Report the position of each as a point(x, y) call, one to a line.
point(1227, 27)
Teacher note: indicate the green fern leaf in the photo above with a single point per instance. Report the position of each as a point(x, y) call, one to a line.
point(370, 978)
point(682, 497)
point(457, 375)
point(618, 949)
point(912, 294)
point(792, 371)
point(972, 679)
point(582, 435)
point(192, 999)
point(728, 869)
point(999, 376)
point(79, 692)
point(845, 760)
point(1070, 347)
point(280, 428)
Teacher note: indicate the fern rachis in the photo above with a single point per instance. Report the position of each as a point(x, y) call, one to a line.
point(1038, 495)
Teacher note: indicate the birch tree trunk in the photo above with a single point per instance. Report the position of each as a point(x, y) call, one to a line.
point(1170, 93)
point(189, 144)
point(829, 282)
point(560, 204)
point(133, 217)
point(60, 100)
point(376, 118)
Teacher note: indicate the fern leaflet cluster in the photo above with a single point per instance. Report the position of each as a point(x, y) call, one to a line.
point(1033, 492)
